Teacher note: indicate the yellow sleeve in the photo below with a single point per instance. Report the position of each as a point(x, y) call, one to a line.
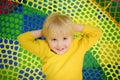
point(28, 42)
point(90, 35)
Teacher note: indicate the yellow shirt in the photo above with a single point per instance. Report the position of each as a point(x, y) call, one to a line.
point(62, 67)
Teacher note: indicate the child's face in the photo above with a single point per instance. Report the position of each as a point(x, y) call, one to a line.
point(60, 44)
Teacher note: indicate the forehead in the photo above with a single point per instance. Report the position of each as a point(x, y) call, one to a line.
point(59, 32)
point(60, 35)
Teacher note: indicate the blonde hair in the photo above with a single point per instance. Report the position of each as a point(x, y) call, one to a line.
point(57, 24)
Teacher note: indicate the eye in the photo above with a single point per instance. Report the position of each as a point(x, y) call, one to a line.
point(54, 39)
point(65, 38)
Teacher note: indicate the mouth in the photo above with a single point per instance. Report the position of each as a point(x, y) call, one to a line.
point(60, 49)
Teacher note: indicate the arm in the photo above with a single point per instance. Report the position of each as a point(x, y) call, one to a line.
point(28, 42)
point(90, 34)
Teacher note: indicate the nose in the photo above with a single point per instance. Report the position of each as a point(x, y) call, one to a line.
point(59, 44)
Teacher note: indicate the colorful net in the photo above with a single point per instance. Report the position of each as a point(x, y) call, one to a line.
point(112, 9)
point(101, 62)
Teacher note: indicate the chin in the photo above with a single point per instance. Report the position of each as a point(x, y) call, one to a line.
point(61, 52)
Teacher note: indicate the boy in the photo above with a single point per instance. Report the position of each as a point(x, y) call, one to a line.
point(61, 54)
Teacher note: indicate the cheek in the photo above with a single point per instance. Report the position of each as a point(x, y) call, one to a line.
point(68, 43)
point(51, 44)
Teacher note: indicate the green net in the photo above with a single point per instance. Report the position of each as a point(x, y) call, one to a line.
point(112, 8)
point(101, 62)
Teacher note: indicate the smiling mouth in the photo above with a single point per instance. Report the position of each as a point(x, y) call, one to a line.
point(56, 52)
point(60, 49)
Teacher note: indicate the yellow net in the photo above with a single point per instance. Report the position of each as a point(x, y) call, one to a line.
point(102, 61)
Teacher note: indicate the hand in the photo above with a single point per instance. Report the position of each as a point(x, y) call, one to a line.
point(78, 27)
point(37, 33)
